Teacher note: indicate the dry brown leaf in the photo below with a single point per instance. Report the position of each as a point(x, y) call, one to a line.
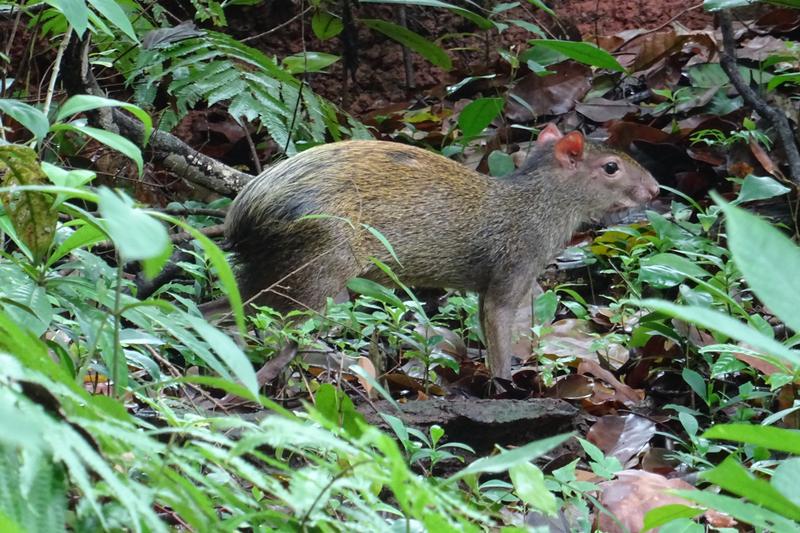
point(624, 394)
point(572, 337)
point(554, 94)
point(369, 368)
point(659, 461)
point(622, 436)
point(603, 110)
point(764, 158)
point(632, 495)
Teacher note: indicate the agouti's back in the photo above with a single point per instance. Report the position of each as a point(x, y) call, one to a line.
point(449, 226)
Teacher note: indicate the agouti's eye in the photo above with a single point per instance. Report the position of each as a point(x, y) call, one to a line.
point(611, 168)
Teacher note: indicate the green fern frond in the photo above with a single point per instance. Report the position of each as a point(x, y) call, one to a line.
point(216, 68)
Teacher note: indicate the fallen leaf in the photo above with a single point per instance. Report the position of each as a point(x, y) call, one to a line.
point(632, 495)
point(623, 437)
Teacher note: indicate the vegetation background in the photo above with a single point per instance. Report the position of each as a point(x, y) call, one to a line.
point(658, 358)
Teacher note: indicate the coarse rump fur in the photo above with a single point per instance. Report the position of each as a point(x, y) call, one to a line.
point(448, 225)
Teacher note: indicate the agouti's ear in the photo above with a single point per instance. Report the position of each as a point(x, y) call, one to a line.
point(569, 149)
point(548, 134)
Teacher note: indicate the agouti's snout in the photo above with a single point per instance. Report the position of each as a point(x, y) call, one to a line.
point(448, 226)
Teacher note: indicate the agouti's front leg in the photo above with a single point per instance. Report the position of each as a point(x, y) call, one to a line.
point(498, 306)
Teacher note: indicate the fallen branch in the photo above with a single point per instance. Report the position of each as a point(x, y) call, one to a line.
point(166, 149)
point(755, 100)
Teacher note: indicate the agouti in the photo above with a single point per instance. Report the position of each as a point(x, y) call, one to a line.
point(449, 226)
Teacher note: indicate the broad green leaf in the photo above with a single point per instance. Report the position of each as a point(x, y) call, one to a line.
point(482, 22)
point(112, 140)
point(715, 320)
point(733, 477)
point(500, 163)
point(783, 440)
point(309, 62)
point(696, 382)
point(31, 213)
point(667, 513)
point(769, 261)
point(112, 11)
point(75, 11)
point(478, 114)
point(85, 102)
point(759, 188)
point(136, 234)
point(27, 115)
point(667, 270)
point(506, 459)
point(325, 26)
point(585, 53)
point(529, 485)
point(784, 478)
point(414, 41)
point(544, 307)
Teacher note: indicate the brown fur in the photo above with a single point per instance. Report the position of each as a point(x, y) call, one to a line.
point(449, 226)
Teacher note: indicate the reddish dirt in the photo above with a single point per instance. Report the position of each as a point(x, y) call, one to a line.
point(380, 79)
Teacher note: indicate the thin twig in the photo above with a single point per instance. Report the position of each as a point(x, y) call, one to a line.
point(56, 69)
point(253, 151)
point(302, 84)
point(279, 26)
point(755, 100)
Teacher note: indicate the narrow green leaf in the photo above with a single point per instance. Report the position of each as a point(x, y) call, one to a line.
point(84, 236)
point(742, 511)
point(220, 264)
point(585, 53)
point(772, 438)
point(506, 459)
point(667, 513)
point(112, 140)
point(27, 115)
point(414, 41)
point(367, 287)
point(482, 22)
point(780, 79)
point(733, 477)
point(229, 353)
point(112, 11)
point(85, 102)
point(711, 319)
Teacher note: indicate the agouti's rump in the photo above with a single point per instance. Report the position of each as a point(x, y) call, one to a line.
point(298, 230)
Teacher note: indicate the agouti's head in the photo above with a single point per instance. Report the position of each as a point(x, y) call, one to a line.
point(611, 180)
